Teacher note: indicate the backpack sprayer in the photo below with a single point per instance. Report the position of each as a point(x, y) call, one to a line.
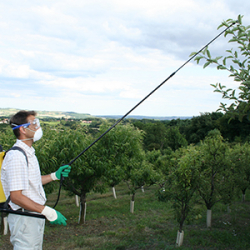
point(117, 122)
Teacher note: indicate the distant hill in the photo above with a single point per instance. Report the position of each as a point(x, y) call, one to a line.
point(7, 112)
point(140, 117)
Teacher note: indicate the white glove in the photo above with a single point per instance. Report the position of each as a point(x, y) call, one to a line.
point(53, 176)
point(49, 213)
point(54, 216)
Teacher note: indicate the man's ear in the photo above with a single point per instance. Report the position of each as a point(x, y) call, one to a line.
point(22, 130)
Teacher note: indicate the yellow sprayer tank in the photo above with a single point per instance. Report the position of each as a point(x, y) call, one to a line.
point(2, 195)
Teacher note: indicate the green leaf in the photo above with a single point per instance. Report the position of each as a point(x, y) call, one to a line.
point(206, 64)
point(232, 40)
point(224, 61)
point(221, 67)
point(221, 25)
point(239, 19)
point(192, 54)
point(208, 53)
point(218, 58)
point(198, 58)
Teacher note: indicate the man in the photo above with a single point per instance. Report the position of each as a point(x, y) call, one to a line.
point(22, 181)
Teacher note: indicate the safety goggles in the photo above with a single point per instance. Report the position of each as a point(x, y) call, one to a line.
point(35, 122)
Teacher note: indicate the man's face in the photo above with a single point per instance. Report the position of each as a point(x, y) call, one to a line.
point(34, 123)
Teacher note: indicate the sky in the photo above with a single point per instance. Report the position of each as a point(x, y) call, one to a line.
point(102, 57)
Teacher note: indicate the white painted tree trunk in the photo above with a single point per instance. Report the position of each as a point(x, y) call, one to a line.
point(77, 200)
point(179, 238)
point(142, 189)
point(114, 193)
point(5, 224)
point(132, 205)
point(209, 218)
point(84, 217)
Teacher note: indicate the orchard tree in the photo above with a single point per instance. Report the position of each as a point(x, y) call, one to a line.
point(86, 171)
point(155, 136)
point(181, 185)
point(240, 158)
point(125, 159)
point(139, 174)
point(161, 162)
point(121, 146)
point(237, 64)
point(215, 182)
point(90, 172)
point(174, 139)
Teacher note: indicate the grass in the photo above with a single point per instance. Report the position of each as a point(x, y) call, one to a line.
point(110, 225)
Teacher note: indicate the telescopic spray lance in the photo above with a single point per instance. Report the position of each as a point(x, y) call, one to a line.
point(117, 122)
point(190, 59)
point(139, 103)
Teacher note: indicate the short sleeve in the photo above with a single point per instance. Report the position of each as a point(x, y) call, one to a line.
point(16, 171)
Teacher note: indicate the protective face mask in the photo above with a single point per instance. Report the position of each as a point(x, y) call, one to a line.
point(37, 136)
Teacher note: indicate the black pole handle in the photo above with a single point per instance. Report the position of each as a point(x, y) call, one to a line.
point(9, 211)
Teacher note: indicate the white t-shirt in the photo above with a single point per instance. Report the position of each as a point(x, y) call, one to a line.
point(16, 175)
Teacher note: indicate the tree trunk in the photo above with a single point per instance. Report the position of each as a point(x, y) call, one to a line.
point(243, 194)
point(132, 204)
point(243, 197)
point(179, 239)
point(83, 208)
point(209, 218)
point(4, 225)
point(77, 200)
point(114, 193)
point(142, 189)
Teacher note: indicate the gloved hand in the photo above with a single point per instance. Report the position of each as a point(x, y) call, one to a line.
point(64, 170)
point(55, 217)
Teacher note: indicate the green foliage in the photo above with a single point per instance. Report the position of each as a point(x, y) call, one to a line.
point(122, 150)
point(155, 135)
point(174, 139)
point(7, 138)
point(237, 64)
point(199, 126)
point(125, 158)
point(235, 129)
point(182, 182)
point(161, 135)
point(141, 175)
point(216, 176)
point(240, 158)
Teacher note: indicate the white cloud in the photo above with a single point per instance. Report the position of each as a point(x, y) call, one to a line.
point(102, 57)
